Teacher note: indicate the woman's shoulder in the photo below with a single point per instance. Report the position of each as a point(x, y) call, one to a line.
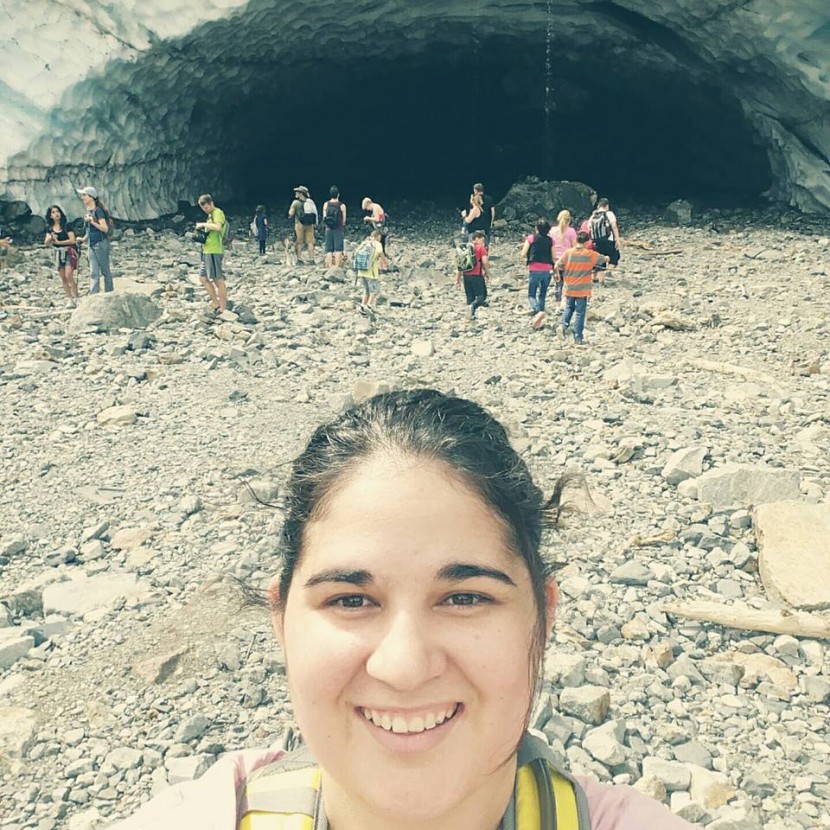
point(617, 807)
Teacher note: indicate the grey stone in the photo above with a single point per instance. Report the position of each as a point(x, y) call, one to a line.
point(632, 573)
point(124, 758)
point(13, 545)
point(109, 312)
point(188, 768)
point(83, 594)
point(736, 484)
point(17, 731)
point(692, 752)
point(193, 727)
point(14, 645)
point(817, 689)
point(672, 774)
point(680, 212)
point(604, 744)
point(588, 703)
point(683, 464)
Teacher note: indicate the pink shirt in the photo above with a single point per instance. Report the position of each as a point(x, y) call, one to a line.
point(561, 242)
point(210, 803)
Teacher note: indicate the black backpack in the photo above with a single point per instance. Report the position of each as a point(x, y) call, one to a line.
point(332, 217)
point(540, 250)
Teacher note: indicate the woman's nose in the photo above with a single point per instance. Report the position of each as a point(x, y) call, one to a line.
point(407, 654)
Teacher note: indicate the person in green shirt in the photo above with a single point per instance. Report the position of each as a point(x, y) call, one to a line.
point(213, 251)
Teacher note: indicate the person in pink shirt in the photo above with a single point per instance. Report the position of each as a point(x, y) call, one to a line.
point(564, 237)
point(412, 601)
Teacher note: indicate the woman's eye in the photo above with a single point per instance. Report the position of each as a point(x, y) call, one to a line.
point(466, 599)
point(349, 601)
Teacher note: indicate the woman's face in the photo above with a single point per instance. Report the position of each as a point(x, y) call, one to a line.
point(55, 214)
point(407, 634)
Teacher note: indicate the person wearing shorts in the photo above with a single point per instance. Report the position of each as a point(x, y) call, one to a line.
point(213, 252)
point(303, 233)
point(335, 236)
point(370, 277)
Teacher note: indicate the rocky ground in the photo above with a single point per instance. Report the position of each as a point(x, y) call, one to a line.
point(127, 659)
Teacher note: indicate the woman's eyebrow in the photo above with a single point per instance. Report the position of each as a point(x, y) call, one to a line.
point(350, 577)
point(459, 571)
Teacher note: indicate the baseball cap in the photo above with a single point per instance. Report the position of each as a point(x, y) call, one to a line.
point(88, 191)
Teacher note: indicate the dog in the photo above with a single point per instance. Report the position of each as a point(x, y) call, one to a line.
point(290, 252)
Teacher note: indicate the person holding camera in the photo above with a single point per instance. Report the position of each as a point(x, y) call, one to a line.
point(98, 228)
point(213, 252)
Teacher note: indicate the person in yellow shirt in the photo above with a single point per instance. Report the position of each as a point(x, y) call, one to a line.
point(370, 274)
point(213, 252)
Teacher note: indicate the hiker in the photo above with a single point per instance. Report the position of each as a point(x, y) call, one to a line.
point(366, 261)
point(605, 233)
point(537, 252)
point(304, 213)
point(476, 276)
point(261, 227)
point(564, 237)
point(473, 217)
point(488, 212)
point(577, 265)
point(96, 236)
point(412, 599)
point(213, 251)
point(334, 220)
point(62, 238)
point(375, 216)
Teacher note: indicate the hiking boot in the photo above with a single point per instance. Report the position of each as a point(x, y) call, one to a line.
point(560, 330)
point(471, 311)
point(578, 341)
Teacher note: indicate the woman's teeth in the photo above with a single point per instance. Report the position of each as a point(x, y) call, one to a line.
point(403, 726)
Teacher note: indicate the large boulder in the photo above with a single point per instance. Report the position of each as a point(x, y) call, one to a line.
point(531, 198)
point(794, 552)
point(112, 311)
point(83, 594)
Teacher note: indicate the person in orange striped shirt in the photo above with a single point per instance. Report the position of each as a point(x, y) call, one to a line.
point(577, 265)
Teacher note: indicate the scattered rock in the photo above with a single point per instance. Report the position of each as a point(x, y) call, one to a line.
point(117, 416)
point(738, 484)
point(113, 311)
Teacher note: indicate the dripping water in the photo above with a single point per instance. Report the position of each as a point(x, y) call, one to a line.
point(550, 106)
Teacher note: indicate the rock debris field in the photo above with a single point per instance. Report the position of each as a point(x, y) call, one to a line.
point(136, 427)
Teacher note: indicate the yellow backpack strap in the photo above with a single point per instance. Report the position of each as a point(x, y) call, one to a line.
point(545, 797)
point(282, 796)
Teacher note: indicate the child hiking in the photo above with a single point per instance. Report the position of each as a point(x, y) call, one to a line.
point(365, 263)
point(577, 266)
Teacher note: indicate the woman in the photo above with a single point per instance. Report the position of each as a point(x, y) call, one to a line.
point(473, 217)
point(261, 228)
point(375, 216)
point(564, 237)
point(537, 252)
point(97, 237)
point(62, 239)
point(412, 640)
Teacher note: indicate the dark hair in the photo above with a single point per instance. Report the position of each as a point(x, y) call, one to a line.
point(602, 203)
point(206, 199)
point(334, 192)
point(425, 424)
point(582, 237)
point(63, 220)
point(542, 226)
point(479, 235)
point(260, 209)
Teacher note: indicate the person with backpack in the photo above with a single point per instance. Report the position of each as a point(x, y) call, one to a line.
point(473, 217)
point(537, 252)
point(605, 233)
point(578, 266)
point(304, 213)
point(97, 235)
point(334, 220)
point(260, 226)
point(365, 262)
point(488, 211)
point(213, 252)
point(412, 595)
point(375, 216)
point(473, 268)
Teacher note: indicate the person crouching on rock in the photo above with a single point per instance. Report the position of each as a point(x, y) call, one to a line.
point(96, 237)
point(475, 279)
point(413, 598)
point(213, 251)
point(62, 238)
point(537, 252)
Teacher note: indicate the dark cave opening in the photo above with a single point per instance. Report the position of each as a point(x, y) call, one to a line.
point(427, 126)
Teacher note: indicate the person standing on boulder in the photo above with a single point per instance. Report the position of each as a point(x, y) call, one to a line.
point(213, 252)
point(304, 213)
point(578, 265)
point(62, 238)
point(488, 212)
point(334, 220)
point(605, 233)
point(97, 221)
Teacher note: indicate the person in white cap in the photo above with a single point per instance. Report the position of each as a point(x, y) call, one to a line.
point(304, 213)
point(98, 228)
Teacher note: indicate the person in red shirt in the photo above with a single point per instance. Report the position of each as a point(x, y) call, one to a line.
point(475, 280)
point(577, 265)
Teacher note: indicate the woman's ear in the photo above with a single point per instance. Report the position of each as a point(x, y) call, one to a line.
point(551, 601)
point(276, 606)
